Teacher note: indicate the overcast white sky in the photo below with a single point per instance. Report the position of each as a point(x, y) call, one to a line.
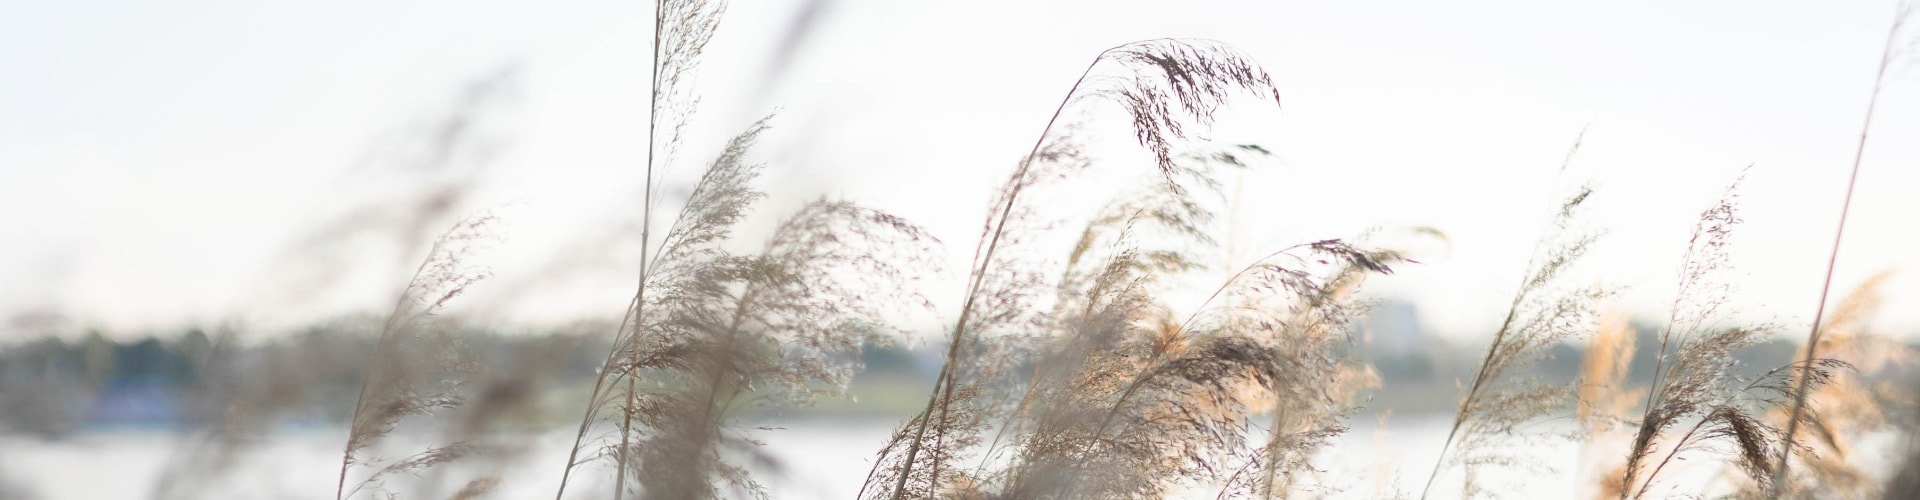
point(160, 163)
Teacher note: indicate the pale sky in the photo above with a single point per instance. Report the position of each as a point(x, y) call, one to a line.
point(161, 165)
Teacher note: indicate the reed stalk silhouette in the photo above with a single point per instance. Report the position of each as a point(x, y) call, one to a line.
point(413, 362)
point(681, 30)
point(1603, 395)
point(711, 332)
point(1842, 411)
point(1128, 399)
point(1165, 86)
point(1317, 387)
point(1695, 379)
point(1902, 13)
point(1905, 483)
point(1604, 398)
point(1543, 312)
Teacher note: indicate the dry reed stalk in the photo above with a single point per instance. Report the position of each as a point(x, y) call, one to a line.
point(1543, 313)
point(1603, 395)
point(1165, 86)
point(1695, 376)
point(409, 374)
point(1903, 11)
point(1902, 400)
point(682, 28)
point(1844, 409)
point(1127, 401)
point(711, 332)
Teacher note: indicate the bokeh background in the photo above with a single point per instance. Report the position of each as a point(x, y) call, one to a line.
point(255, 182)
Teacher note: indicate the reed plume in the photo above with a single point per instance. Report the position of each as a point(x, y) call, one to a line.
point(1902, 400)
point(1844, 409)
point(1889, 54)
point(1106, 329)
point(681, 31)
point(999, 321)
point(1128, 399)
point(1165, 86)
point(1542, 313)
point(232, 406)
point(1603, 394)
point(1604, 398)
point(791, 332)
point(713, 332)
point(1695, 379)
point(414, 366)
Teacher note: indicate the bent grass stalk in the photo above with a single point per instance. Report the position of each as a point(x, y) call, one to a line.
point(1523, 332)
point(388, 393)
point(1195, 79)
point(688, 28)
point(943, 386)
point(1901, 15)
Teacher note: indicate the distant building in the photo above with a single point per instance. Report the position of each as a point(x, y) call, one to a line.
point(1393, 328)
point(1393, 339)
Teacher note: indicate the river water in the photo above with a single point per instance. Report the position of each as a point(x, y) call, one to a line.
point(815, 459)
